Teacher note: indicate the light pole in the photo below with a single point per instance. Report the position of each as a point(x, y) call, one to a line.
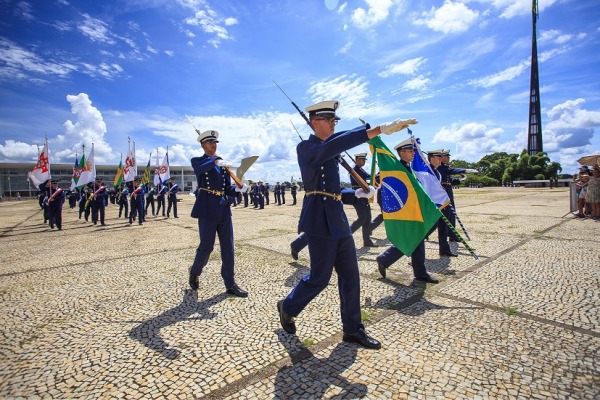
point(9, 189)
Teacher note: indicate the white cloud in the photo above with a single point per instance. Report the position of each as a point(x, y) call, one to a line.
point(418, 83)
point(451, 17)
point(508, 74)
point(209, 22)
point(408, 67)
point(89, 127)
point(378, 11)
point(514, 8)
point(570, 114)
point(96, 30)
point(19, 63)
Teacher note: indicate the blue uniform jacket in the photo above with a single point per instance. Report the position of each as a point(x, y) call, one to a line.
point(209, 206)
point(362, 173)
point(318, 160)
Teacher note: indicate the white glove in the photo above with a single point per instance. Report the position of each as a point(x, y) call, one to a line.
point(396, 125)
point(242, 189)
point(362, 195)
point(471, 171)
point(222, 163)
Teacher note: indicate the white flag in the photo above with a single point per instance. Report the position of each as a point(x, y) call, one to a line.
point(162, 173)
point(88, 171)
point(41, 172)
point(129, 169)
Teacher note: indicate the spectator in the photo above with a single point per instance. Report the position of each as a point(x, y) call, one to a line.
point(581, 183)
point(593, 193)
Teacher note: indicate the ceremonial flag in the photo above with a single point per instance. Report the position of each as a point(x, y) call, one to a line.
point(76, 173)
point(130, 169)
point(119, 176)
point(88, 170)
point(430, 182)
point(162, 173)
point(146, 178)
point(41, 172)
point(408, 213)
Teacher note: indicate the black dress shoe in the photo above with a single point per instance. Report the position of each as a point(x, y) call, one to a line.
point(194, 282)
point(237, 291)
point(363, 339)
point(427, 278)
point(381, 268)
point(287, 322)
point(448, 253)
point(294, 254)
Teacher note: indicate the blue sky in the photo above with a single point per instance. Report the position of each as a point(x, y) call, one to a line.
point(102, 71)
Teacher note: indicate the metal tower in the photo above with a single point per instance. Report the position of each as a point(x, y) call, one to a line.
point(534, 142)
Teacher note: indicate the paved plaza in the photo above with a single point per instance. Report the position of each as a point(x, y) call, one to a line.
point(106, 312)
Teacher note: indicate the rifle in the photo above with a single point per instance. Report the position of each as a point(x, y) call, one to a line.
point(363, 185)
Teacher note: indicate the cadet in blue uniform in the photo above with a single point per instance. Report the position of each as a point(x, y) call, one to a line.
point(435, 160)
point(55, 201)
point(322, 218)
point(172, 199)
point(99, 200)
point(362, 207)
point(150, 200)
point(213, 213)
point(406, 151)
point(137, 201)
point(293, 192)
point(277, 194)
point(123, 202)
point(447, 173)
point(160, 199)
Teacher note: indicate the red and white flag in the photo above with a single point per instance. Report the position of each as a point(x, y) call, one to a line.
point(41, 172)
point(130, 169)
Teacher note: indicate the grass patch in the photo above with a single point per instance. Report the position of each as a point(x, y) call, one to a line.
point(509, 310)
point(308, 342)
point(367, 315)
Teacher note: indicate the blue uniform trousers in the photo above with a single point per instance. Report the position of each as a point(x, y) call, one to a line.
point(392, 254)
point(376, 222)
point(444, 231)
point(208, 231)
point(325, 255)
point(300, 243)
point(363, 211)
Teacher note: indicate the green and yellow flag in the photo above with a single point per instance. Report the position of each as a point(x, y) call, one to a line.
point(146, 177)
point(119, 177)
point(408, 212)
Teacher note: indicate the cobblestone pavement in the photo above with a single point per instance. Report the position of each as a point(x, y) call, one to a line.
point(105, 312)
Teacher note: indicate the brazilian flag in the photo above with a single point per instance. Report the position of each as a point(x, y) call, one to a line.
point(119, 176)
point(408, 212)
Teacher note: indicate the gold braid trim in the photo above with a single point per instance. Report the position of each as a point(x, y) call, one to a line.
point(334, 196)
point(217, 193)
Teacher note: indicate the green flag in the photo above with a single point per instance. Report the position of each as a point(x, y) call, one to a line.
point(408, 213)
point(119, 176)
point(80, 169)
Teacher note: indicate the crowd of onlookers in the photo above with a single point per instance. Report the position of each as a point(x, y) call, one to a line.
point(587, 184)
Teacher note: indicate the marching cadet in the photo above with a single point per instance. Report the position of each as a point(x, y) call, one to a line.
point(447, 173)
point(212, 210)
point(362, 206)
point(260, 195)
point(266, 192)
point(282, 192)
point(150, 199)
point(245, 195)
point(254, 194)
point(123, 201)
point(277, 194)
point(326, 226)
point(406, 151)
point(435, 160)
point(99, 199)
point(137, 201)
point(42, 197)
point(55, 201)
point(172, 197)
point(160, 199)
point(293, 191)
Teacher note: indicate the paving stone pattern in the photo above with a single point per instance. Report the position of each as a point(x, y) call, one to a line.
point(105, 312)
